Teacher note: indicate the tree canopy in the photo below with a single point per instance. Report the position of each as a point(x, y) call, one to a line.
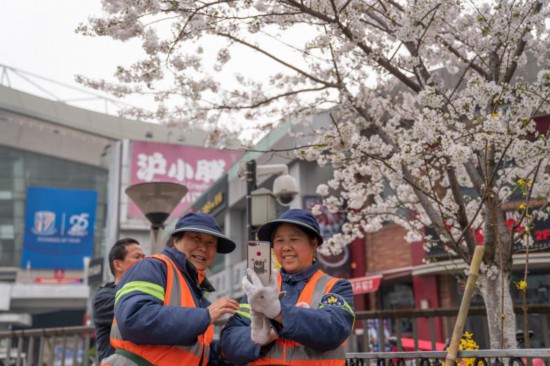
point(438, 106)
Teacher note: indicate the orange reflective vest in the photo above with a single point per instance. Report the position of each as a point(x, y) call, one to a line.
point(287, 352)
point(177, 293)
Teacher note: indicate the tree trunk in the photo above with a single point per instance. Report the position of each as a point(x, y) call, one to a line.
point(491, 289)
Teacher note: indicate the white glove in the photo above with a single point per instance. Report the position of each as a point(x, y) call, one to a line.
point(260, 328)
point(263, 299)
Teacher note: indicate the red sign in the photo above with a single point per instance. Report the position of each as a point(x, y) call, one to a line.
point(195, 167)
point(538, 237)
point(364, 285)
point(57, 280)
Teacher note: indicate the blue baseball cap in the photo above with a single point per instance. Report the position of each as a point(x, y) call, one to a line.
point(302, 218)
point(199, 222)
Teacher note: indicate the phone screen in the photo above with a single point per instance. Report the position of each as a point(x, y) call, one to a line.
point(259, 259)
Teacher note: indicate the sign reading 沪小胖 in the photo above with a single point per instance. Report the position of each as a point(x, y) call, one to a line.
point(59, 228)
point(195, 167)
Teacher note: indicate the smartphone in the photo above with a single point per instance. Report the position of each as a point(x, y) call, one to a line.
point(259, 259)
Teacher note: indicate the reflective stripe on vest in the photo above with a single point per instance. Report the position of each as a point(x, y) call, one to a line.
point(177, 293)
point(287, 352)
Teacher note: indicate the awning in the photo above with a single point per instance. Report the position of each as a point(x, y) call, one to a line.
point(364, 285)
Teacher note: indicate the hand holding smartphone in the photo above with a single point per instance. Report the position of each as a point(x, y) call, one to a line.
point(259, 259)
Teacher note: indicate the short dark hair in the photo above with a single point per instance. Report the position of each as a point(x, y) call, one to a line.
point(119, 251)
point(170, 243)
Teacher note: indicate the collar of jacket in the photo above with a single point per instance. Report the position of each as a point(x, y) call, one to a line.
point(188, 268)
point(305, 275)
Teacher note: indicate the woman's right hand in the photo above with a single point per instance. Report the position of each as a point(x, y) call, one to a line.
point(222, 306)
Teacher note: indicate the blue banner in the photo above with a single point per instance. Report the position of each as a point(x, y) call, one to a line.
point(59, 228)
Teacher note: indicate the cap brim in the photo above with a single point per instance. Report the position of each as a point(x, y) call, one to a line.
point(225, 245)
point(265, 232)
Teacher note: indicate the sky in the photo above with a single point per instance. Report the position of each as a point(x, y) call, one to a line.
point(38, 37)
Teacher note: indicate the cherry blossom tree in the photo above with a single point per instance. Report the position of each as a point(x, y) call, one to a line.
point(434, 106)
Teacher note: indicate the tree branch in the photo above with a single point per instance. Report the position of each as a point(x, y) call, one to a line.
point(366, 49)
point(286, 64)
point(520, 49)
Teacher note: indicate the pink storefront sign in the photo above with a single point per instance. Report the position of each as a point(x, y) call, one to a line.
point(195, 167)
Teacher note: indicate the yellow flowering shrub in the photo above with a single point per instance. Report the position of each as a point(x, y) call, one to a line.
point(521, 285)
point(467, 343)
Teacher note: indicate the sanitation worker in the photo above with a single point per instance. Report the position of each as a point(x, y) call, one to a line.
point(161, 315)
point(304, 316)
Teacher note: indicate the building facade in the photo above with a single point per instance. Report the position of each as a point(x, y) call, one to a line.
point(64, 158)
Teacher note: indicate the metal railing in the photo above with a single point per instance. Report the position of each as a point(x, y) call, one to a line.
point(71, 346)
point(501, 357)
point(67, 346)
point(477, 322)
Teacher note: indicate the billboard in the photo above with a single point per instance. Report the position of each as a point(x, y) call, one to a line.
point(59, 228)
point(196, 168)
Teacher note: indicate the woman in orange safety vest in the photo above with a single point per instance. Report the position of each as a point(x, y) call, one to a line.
point(161, 315)
point(306, 326)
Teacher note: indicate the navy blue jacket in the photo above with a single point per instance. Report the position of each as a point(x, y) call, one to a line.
point(143, 319)
point(103, 307)
point(321, 329)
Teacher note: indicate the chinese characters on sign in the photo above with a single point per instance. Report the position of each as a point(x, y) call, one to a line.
point(155, 165)
point(196, 168)
point(364, 285)
point(537, 238)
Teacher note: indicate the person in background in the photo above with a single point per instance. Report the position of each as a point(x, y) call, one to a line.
point(303, 316)
point(161, 315)
point(122, 255)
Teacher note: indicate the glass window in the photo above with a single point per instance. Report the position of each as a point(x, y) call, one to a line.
point(398, 296)
point(537, 288)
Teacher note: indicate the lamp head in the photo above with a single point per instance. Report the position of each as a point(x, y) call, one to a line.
point(156, 199)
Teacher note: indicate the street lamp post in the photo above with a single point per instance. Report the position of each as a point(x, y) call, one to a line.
point(156, 200)
point(250, 187)
point(260, 203)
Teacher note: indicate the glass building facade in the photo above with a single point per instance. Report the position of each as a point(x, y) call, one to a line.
point(21, 169)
